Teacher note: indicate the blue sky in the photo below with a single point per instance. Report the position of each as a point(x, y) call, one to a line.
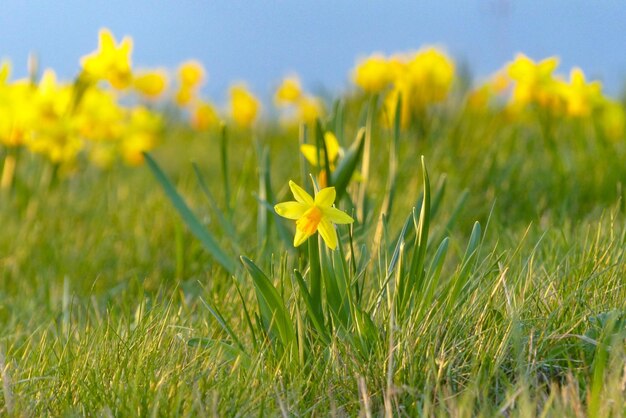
point(260, 41)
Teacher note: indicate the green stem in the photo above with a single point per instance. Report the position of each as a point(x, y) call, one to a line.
point(224, 160)
point(7, 182)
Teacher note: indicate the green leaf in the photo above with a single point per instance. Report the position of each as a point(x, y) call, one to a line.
point(335, 298)
point(192, 222)
point(466, 265)
point(340, 178)
point(274, 314)
point(322, 151)
point(314, 316)
point(223, 324)
point(223, 221)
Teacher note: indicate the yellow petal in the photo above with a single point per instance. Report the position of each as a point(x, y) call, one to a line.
point(328, 233)
point(300, 237)
point(310, 153)
point(107, 42)
point(332, 146)
point(548, 65)
point(337, 216)
point(126, 47)
point(291, 210)
point(325, 197)
point(300, 194)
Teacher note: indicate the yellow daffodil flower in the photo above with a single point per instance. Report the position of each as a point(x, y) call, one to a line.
point(99, 117)
point(580, 96)
point(244, 105)
point(373, 74)
point(54, 133)
point(150, 83)
point(430, 74)
point(534, 82)
point(423, 78)
point(289, 92)
point(203, 117)
point(480, 97)
point(5, 71)
point(332, 146)
point(313, 214)
point(309, 109)
point(143, 130)
point(191, 74)
point(17, 114)
point(184, 96)
point(110, 62)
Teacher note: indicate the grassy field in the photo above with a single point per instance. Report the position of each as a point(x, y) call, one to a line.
point(483, 274)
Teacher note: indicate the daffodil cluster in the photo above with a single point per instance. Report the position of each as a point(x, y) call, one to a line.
point(204, 115)
point(536, 86)
point(534, 83)
point(291, 97)
point(67, 121)
point(421, 79)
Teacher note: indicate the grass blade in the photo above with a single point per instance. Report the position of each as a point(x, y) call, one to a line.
point(271, 306)
point(200, 232)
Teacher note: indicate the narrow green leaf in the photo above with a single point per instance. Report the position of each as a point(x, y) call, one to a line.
point(322, 151)
point(316, 319)
point(223, 324)
point(271, 306)
point(365, 163)
point(438, 197)
point(422, 226)
point(223, 221)
point(262, 218)
point(348, 164)
point(192, 222)
point(335, 299)
point(224, 161)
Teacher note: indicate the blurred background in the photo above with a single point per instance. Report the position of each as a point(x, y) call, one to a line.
point(261, 41)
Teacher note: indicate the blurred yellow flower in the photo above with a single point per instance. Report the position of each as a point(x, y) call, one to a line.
point(150, 83)
point(203, 116)
point(99, 117)
point(141, 136)
point(244, 105)
point(430, 74)
point(191, 73)
point(534, 82)
point(480, 97)
point(184, 96)
point(5, 71)
point(422, 79)
point(17, 113)
point(289, 92)
point(53, 131)
point(110, 62)
point(373, 74)
point(313, 214)
point(580, 96)
point(309, 109)
point(332, 146)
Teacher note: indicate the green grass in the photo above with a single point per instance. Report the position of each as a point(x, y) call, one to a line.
point(110, 306)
